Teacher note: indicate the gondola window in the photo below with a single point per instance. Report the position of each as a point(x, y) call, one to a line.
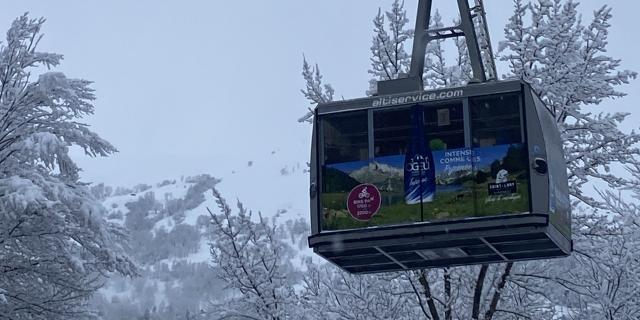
point(501, 171)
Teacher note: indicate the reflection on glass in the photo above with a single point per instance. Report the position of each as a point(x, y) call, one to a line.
point(501, 168)
point(444, 126)
point(495, 120)
point(345, 137)
point(391, 131)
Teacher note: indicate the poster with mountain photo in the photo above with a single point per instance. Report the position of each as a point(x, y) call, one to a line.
point(386, 174)
point(454, 185)
point(453, 197)
point(468, 182)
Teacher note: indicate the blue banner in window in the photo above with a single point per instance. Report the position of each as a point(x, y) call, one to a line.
point(419, 168)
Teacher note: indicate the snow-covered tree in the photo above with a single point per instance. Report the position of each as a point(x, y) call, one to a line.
point(315, 91)
point(254, 263)
point(55, 247)
point(333, 294)
point(437, 74)
point(566, 64)
point(389, 59)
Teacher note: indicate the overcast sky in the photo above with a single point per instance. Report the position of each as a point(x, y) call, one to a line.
point(188, 87)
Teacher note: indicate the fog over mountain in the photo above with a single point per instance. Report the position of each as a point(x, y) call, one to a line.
point(170, 232)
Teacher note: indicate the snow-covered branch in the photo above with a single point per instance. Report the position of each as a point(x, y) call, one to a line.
point(57, 248)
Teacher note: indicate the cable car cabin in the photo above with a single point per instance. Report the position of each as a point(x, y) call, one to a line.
point(468, 175)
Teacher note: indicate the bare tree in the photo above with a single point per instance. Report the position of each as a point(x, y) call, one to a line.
point(331, 293)
point(252, 261)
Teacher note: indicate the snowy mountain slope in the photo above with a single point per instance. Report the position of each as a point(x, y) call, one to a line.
point(376, 172)
point(270, 186)
point(169, 227)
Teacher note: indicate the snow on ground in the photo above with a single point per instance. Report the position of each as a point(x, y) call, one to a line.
point(203, 255)
point(274, 184)
point(271, 185)
point(190, 216)
point(166, 223)
point(121, 292)
point(117, 203)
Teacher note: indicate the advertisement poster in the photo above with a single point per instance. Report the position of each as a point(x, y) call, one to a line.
point(501, 179)
point(386, 174)
point(466, 183)
point(454, 185)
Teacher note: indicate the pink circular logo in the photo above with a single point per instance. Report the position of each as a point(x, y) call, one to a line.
point(364, 202)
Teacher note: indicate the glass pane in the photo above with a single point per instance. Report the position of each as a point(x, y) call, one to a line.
point(345, 137)
point(392, 131)
point(444, 130)
point(445, 127)
point(394, 134)
point(346, 154)
point(501, 173)
point(429, 172)
point(339, 180)
point(454, 196)
point(495, 120)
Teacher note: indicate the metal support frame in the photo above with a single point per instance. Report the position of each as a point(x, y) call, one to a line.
point(492, 72)
point(423, 35)
point(388, 256)
point(475, 57)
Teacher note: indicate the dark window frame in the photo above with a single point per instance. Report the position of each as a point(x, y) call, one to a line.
point(467, 130)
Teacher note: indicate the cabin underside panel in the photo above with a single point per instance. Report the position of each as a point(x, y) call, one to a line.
point(524, 237)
